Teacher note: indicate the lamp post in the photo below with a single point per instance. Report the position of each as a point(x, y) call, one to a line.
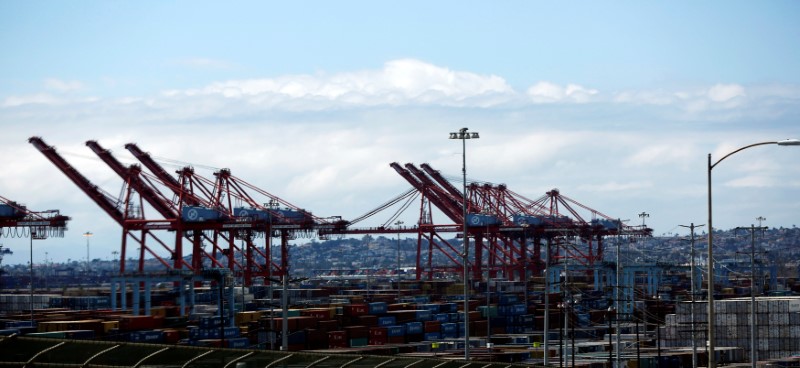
point(692, 226)
point(33, 235)
point(398, 224)
point(88, 235)
point(753, 351)
point(711, 323)
point(463, 134)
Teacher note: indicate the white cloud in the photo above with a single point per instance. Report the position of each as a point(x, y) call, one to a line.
point(725, 92)
point(752, 181)
point(39, 98)
point(547, 92)
point(399, 82)
point(614, 186)
point(668, 154)
point(62, 86)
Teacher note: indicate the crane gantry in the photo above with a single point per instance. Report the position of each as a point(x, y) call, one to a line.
point(509, 231)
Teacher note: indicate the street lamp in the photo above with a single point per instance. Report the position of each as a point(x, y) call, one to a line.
point(88, 235)
point(711, 323)
point(463, 134)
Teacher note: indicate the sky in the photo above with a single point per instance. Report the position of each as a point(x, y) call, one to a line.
point(617, 104)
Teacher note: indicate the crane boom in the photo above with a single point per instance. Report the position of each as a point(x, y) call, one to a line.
point(93, 191)
point(132, 176)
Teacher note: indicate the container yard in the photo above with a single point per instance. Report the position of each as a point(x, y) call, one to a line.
point(530, 282)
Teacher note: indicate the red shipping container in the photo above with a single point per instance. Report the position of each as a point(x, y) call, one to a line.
point(433, 326)
point(399, 306)
point(132, 323)
point(171, 336)
point(377, 340)
point(355, 332)
point(328, 325)
point(352, 310)
point(302, 323)
point(367, 320)
point(337, 339)
point(378, 332)
point(396, 340)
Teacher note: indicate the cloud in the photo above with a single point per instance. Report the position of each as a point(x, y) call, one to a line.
point(725, 92)
point(62, 86)
point(614, 186)
point(398, 83)
point(752, 181)
point(672, 154)
point(547, 92)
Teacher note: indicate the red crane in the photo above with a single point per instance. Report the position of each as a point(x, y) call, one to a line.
point(247, 211)
point(126, 212)
point(508, 227)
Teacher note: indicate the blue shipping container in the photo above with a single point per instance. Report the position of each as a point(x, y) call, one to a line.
point(147, 336)
point(441, 317)
point(506, 299)
point(252, 213)
point(199, 214)
point(9, 211)
point(238, 343)
point(377, 308)
point(413, 328)
point(387, 321)
point(20, 324)
point(433, 308)
point(423, 315)
point(432, 336)
point(479, 219)
point(527, 220)
point(393, 331)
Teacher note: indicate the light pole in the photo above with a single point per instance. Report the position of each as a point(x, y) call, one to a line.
point(398, 224)
point(33, 235)
point(88, 235)
point(691, 227)
point(463, 134)
point(753, 351)
point(711, 323)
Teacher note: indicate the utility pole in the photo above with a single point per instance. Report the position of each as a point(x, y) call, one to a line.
point(691, 227)
point(753, 351)
point(398, 224)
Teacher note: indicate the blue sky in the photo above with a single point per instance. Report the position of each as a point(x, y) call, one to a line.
point(615, 103)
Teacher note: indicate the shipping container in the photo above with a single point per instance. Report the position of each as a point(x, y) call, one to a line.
point(520, 219)
point(200, 214)
point(238, 343)
point(479, 219)
point(413, 328)
point(376, 308)
point(12, 210)
point(394, 331)
point(152, 336)
point(251, 213)
point(387, 321)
